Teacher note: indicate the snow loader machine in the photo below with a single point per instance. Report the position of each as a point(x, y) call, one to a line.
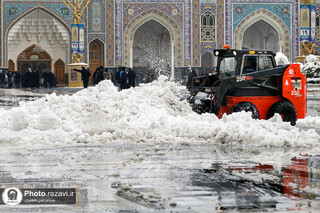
point(250, 80)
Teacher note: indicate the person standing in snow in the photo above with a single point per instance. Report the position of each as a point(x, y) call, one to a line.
point(98, 75)
point(123, 79)
point(131, 78)
point(85, 74)
point(117, 78)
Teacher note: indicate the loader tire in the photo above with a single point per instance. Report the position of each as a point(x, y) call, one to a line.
point(247, 107)
point(286, 111)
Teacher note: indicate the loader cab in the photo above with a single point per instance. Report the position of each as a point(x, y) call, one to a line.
point(256, 62)
point(233, 62)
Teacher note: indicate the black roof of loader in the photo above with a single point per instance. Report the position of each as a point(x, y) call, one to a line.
point(235, 52)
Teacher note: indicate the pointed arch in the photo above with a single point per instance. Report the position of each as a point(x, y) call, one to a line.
point(96, 55)
point(11, 66)
point(31, 10)
point(59, 71)
point(163, 19)
point(270, 18)
point(34, 60)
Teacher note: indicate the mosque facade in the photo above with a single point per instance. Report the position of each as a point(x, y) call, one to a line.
point(162, 34)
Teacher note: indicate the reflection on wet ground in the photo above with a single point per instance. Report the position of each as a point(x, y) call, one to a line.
point(12, 97)
point(139, 178)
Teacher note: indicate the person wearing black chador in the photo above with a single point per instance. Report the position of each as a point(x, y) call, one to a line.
point(85, 74)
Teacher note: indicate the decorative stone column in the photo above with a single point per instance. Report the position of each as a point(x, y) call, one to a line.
point(131, 53)
point(172, 60)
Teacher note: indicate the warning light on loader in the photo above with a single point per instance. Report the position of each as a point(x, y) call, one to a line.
point(227, 47)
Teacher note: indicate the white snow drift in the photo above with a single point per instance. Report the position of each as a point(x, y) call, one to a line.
point(152, 113)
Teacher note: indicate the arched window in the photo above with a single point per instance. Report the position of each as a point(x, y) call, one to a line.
point(208, 27)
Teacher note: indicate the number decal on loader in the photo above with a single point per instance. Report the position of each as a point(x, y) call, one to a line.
point(243, 78)
point(240, 78)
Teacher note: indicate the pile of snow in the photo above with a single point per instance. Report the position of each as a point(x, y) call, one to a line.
point(311, 67)
point(309, 121)
point(281, 59)
point(152, 113)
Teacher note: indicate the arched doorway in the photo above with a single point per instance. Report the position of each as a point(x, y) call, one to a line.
point(261, 35)
point(59, 71)
point(40, 26)
point(151, 48)
point(34, 60)
point(11, 66)
point(207, 62)
point(95, 56)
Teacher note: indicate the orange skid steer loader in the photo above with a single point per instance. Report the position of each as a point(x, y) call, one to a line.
point(249, 80)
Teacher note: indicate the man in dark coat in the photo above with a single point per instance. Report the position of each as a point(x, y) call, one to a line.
point(52, 80)
point(34, 79)
point(117, 75)
point(85, 74)
point(131, 77)
point(2, 78)
point(123, 79)
point(98, 75)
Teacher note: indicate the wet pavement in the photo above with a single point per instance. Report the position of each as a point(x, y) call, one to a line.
point(141, 177)
point(179, 178)
point(11, 97)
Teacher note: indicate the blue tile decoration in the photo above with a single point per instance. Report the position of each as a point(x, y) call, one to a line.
point(96, 22)
point(286, 10)
point(207, 47)
point(14, 10)
point(246, 9)
point(164, 6)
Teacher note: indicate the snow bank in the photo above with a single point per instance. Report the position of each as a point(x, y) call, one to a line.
point(152, 113)
point(281, 59)
point(309, 121)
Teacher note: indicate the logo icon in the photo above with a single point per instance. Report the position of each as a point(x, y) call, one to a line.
point(12, 196)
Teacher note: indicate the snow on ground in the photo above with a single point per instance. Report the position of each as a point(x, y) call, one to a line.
point(151, 113)
point(309, 121)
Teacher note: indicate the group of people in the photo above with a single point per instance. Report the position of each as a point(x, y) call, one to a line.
point(8, 79)
point(29, 78)
point(125, 78)
point(100, 74)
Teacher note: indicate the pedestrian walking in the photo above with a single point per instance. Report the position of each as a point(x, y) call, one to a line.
point(85, 74)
